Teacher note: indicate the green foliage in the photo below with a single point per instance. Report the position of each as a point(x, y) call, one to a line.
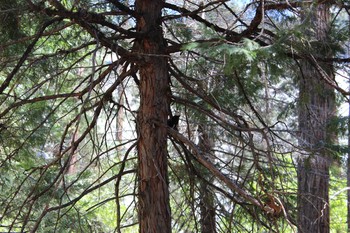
point(247, 69)
point(339, 124)
point(183, 31)
point(338, 199)
point(10, 20)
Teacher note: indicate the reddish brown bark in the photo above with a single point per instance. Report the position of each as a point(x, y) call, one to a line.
point(154, 208)
point(317, 108)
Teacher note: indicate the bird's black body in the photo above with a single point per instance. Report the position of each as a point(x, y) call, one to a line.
point(173, 121)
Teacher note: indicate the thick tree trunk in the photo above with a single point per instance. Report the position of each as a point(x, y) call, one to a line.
point(313, 201)
point(154, 208)
point(317, 107)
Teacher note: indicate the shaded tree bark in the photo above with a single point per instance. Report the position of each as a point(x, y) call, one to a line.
point(207, 209)
point(154, 208)
point(317, 108)
point(206, 195)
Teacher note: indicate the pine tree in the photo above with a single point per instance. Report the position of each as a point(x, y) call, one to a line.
point(316, 110)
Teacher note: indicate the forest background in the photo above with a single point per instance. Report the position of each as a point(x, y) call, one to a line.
point(174, 116)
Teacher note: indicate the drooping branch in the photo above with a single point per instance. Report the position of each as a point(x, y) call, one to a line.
point(201, 158)
point(88, 21)
point(25, 55)
point(124, 8)
point(66, 95)
point(83, 194)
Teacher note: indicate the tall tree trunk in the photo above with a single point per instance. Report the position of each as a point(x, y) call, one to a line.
point(207, 208)
point(206, 195)
point(317, 107)
point(154, 208)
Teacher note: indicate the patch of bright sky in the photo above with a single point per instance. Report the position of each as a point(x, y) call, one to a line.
point(343, 82)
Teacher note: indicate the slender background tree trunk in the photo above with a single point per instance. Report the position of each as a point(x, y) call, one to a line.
point(206, 195)
point(154, 208)
point(317, 108)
